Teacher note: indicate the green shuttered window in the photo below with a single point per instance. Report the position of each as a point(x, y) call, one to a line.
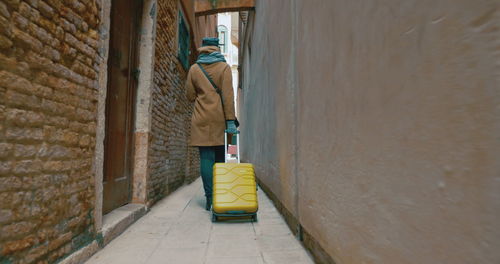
point(183, 41)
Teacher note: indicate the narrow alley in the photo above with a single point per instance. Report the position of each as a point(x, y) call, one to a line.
point(178, 230)
point(371, 129)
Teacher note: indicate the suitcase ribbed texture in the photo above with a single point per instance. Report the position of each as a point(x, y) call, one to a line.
point(234, 189)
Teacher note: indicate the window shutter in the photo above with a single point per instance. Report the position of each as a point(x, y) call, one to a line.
point(183, 41)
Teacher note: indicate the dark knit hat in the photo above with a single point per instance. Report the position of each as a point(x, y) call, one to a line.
point(210, 42)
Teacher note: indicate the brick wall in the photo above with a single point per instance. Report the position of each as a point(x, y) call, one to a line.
point(48, 95)
point(172, 162)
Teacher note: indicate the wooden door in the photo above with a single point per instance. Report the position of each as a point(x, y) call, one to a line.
point(120, 103)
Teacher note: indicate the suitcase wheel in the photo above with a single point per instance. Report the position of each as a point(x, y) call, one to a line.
point(214, 218)
point(254, 218)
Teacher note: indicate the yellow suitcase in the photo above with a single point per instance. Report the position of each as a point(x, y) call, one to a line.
point(234, 190)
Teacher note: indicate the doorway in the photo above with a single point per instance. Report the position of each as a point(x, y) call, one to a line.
point(120, 103)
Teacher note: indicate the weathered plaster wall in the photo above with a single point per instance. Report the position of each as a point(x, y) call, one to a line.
point(269, 100)
point(396, 105)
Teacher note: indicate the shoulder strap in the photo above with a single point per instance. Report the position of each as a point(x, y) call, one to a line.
point(210, 79)
point(219, 91)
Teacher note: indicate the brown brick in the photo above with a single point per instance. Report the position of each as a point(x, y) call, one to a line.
point(85, 141)
point(57, 121)
point(90, 128)
point(50, 106)
point(36, 253)
point(51, 53)
point(29, 12)
point(40, 33)
point(20, 21)
point(45, 194)
point(84, 70)
point(55, 152)
point(17, 134)
point(70, 137)
point(67, 26)
point(55, 166)
point(49, 85)
point(13, 3)
point(46, 10)
point(78, 7)
point(18, 245)
point(170, 113)
point(24, 118)
point(37, 211)
point(33, 3)
point(25, 151)
point(43, 91)
point(11, 199)
point(4, 11)
point(65, 98)
point(79, 45)
point(56, 4)
point(74, 18)
point(27, 167)
point(76, 221)
point(20, 68)
point(44, 234)
point(22, 212)
point(60, 241)
point(16, 229)
point(13, 81)
point(89, 38)
point(36, 181)
point(5, 27)
point(85, 115)
point(5, 149)
point(58, 108)
point(82, 58)
point(5, 43)
point(50, 27)
point(5, 215)
point(27, 41)
point(16, 99)
point(87, 105)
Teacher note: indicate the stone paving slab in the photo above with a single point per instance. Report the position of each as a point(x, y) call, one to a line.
point(178, 230)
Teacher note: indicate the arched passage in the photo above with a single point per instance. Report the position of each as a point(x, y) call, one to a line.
point(208, 7)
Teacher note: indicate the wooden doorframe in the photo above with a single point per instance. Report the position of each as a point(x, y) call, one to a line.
point(120, 106)
point(142, 120)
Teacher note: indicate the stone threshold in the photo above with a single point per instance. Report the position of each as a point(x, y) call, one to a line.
point(114, 223)
point(310, 243)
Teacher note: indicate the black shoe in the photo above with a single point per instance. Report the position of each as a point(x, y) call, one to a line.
point(209, 204)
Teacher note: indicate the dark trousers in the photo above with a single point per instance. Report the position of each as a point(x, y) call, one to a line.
point(208, 157)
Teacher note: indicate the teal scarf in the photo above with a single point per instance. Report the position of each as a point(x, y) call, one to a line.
point(213, 57)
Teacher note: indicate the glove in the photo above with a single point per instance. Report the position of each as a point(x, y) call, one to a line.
point(231, 127)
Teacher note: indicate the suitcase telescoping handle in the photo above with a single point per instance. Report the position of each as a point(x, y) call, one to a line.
point(237, 146)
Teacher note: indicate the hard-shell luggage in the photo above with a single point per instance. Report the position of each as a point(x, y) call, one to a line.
point(234, 189)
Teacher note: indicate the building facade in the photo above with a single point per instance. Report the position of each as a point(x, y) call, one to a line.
point(93, 119)
point(227, 29)
point(374, 126)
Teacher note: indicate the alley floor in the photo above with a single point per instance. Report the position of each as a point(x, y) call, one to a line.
point(178, 230)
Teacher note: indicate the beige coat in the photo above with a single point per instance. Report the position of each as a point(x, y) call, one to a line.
point(207, 122)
